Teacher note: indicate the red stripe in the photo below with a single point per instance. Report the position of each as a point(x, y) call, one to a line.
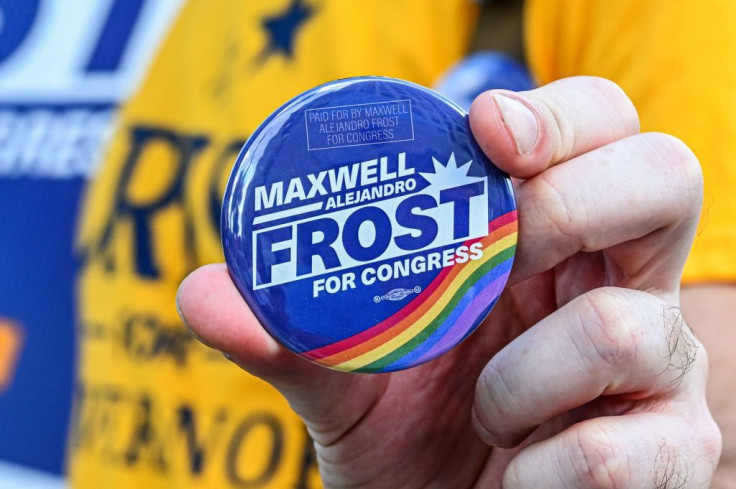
point(501, 221)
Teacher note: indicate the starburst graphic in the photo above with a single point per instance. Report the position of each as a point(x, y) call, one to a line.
point(449, 175)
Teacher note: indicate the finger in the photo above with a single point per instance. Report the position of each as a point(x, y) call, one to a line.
point(212, 308)
point(635, 451)
point(648, 185)
point(606, 342)
point(526, 133)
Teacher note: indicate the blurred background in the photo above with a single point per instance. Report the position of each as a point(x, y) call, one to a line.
point(66, 68)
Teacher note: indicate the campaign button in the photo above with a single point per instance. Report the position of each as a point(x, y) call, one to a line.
point(365, 228)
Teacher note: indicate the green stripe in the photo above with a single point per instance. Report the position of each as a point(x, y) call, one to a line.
point(417, 340)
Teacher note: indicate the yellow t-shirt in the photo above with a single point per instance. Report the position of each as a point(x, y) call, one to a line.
point(153, 407)
point(675, 59)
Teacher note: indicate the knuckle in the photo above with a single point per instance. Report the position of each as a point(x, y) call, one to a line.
point(674, 149)
point(612, 93)
point(673, 467)
point(609, 327)
point(562, 130)
point(605, 86)
point(680, 165)
point(557, 208)
point(598, 461)
point(682, 346)
point(712, 440)
point(701, 361)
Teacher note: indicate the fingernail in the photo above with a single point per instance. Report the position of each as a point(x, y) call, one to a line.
point(521, 122)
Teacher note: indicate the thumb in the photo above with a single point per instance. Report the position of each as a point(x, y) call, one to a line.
point(330, 402)
point(527, 132)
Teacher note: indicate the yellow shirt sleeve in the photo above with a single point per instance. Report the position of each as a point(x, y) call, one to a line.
point(677, 62)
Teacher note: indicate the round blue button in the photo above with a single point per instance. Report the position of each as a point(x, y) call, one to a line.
point(365, 227)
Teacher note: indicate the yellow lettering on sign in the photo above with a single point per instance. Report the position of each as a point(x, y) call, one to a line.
point(11, 337)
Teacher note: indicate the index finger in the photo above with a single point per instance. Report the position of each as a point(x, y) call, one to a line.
point(527, 132)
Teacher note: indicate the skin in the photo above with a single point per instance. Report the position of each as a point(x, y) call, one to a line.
point(585, 375)
point(714, 306)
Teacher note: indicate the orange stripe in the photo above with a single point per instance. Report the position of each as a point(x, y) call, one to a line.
point(387, 335)
point(11, 337)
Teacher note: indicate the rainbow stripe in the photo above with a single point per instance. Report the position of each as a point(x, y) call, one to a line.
point(441, 316)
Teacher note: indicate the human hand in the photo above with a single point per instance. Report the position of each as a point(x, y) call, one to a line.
point(584, 375)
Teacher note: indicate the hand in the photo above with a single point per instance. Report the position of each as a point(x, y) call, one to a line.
point(585, 373)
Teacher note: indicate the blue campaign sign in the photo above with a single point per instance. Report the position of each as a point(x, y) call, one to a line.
point(36, 287)
point(65, 67)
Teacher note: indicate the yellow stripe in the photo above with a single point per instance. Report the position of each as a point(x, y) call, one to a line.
point(411, 332)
